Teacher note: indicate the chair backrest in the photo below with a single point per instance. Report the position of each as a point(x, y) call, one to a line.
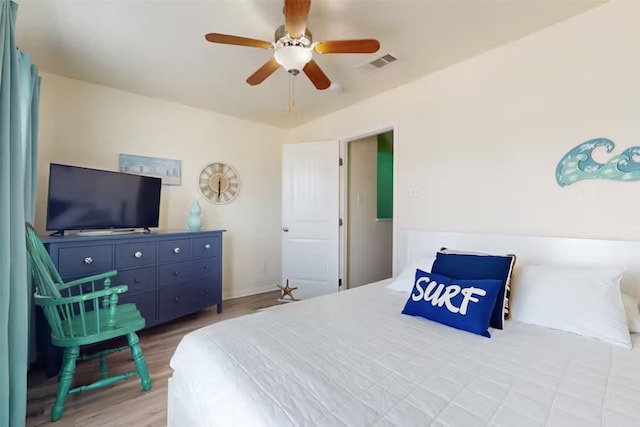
point(59, 309)
point(46, 280)
point(46, 277)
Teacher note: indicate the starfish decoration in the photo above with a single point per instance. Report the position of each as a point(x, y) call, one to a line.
point(288, 291)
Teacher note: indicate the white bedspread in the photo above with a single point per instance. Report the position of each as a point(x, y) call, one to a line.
point(351, 359)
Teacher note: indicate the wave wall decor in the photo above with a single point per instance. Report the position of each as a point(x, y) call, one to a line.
point(578, 164)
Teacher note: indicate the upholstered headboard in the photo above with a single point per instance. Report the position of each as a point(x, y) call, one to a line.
point(531, 250)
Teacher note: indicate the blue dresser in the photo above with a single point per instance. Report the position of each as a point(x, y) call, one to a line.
point(169, 274)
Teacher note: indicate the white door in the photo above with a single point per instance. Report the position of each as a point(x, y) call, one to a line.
point(310, 215)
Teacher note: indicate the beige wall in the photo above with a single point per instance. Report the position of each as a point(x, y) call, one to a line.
point(478, 142)
point(89, 125)
point(369, 244)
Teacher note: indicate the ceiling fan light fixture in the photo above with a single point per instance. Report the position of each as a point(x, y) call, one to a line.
point(293, 58)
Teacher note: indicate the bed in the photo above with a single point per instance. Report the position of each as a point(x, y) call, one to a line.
point(351, 359)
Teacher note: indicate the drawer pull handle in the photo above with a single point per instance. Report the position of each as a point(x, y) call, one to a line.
point(176, 250)
point(207, 246)
point(176, 273)
point(138, 255)
point(88, 260)
point(206, 266)
point(136, 280)
point(176, 299)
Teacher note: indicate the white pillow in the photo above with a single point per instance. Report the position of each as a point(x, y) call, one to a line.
point(405, 281)
point(632, 311)
point(585, 301)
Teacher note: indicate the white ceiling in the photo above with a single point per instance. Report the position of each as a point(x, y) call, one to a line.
point(157, 47)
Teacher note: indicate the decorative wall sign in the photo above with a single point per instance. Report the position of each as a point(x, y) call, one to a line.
point(167, 169)
point(578, 164)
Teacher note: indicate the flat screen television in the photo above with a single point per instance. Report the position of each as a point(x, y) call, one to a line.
point(92, 199)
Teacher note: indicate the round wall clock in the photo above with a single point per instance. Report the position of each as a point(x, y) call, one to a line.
point(219, 183)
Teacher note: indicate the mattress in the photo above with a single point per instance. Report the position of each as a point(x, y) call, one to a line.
point(351, 359)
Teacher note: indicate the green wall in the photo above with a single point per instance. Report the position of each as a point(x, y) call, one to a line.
point(385, 175)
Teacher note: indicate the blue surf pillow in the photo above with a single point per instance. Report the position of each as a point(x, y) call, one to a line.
point(462, 304)
point(465, 266)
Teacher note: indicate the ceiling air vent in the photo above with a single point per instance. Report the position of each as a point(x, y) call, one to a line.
point(380, 62)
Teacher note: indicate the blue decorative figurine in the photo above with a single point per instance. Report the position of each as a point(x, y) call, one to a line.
point(194, 222)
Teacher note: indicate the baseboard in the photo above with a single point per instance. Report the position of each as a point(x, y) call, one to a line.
point(251, 291)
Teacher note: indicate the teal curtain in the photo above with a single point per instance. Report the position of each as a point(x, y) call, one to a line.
point(19, 99)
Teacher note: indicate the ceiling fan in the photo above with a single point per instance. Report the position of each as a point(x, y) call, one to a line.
point(294, 46)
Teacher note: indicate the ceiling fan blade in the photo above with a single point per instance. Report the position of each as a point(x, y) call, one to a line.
point(238, 41)
point(316, 75)
point(348, 46)
point(263, 72)
point(296, 13)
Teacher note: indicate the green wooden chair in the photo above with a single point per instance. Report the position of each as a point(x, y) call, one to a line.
point(78, 314)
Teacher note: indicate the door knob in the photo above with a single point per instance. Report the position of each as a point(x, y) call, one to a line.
point(285, 229)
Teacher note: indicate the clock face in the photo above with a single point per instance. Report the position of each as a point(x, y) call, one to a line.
point(219, 183)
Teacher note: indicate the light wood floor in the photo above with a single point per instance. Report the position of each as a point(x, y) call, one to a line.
point(124, 403)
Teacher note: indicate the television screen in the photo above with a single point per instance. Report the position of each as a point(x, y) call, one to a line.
point(82, 198)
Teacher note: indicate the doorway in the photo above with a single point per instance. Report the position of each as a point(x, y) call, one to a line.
point(368, 201)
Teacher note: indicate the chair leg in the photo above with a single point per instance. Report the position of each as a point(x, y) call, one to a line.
point(138, 358)
point(65, 378)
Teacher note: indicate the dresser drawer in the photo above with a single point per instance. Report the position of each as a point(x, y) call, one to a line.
point(174, 250)
point(135, 254)
point(80, 261)
point(207, 246)
point(145, 302)
point(183, 272)
point(209, 267)
point(175, 274)
point(181, 300)
point(138, 279)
